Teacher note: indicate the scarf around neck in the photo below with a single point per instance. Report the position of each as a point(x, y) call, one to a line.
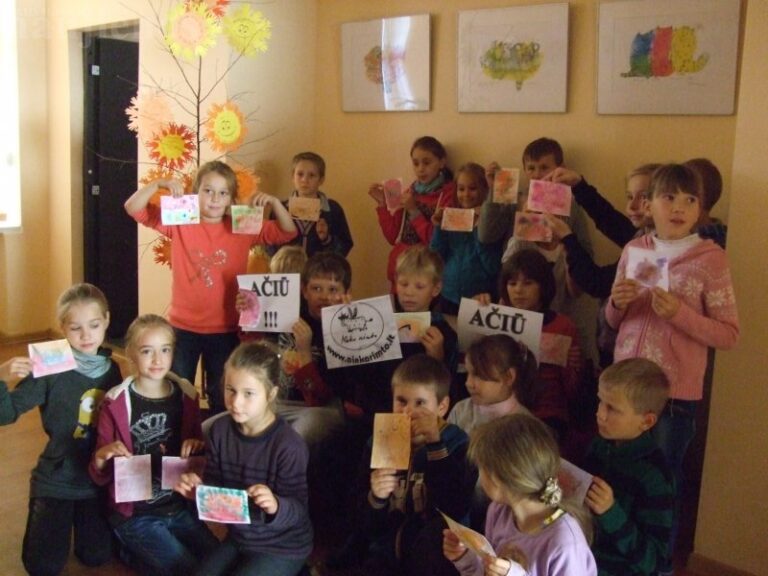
point(420, 188)
point(92, 365)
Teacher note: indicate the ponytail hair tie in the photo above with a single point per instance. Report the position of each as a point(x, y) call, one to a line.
point(551, 494)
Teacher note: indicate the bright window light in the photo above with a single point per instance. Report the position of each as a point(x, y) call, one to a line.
point(10, 182)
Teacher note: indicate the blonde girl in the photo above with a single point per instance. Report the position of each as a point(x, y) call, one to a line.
point(533, 531)
point(254, 450)
point(63, 500)
point(157, 413)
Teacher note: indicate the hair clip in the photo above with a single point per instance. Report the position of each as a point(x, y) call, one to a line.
point(551, 494)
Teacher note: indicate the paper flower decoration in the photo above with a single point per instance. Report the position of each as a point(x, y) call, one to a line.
point(147, 114)
point(247, 184)
point(192, 30)
point(162, 251)
point(225, 127)
point(164, 174)
point(217, 7)
point(247, 30)
point(173, 147)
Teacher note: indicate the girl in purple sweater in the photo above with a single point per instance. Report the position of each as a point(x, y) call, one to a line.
point(533, 532)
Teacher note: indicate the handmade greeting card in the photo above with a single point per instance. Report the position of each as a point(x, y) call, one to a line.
point(391, 441)
point(532, 227)
point(648, 267)
point(471, 539)
point(223, 505)
point(393, 192)
point(458, 219)
point(411, 326)
point(304, 208)
point(182, 210)
point(271, 302)
point(475, 321)
point(505, 185)
point(549, 197)
point(360, 332)
point(574, 481)
point(133, 478)
point(51, 357)
point(554, 349)
point(247, 219)
point(174, 467)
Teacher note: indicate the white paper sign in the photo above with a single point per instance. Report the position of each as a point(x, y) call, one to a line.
point(361, 332)
point(272, 302)
point(649, 267)
point(475, 321)
point(411, 326)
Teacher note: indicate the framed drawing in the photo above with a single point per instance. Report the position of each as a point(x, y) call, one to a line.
point(385, 64)
point(661, 57)
point(513, 59)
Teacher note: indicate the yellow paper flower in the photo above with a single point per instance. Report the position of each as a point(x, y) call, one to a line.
point(162, 251)
point(173, 147)
point(217, 7)
point(225, 127)
point(192, 30)
point(247, 30)
point(148, 113)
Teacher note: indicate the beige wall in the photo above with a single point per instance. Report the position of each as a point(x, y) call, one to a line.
point(733, 512)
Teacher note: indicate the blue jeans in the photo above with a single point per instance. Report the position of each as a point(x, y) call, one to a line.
point(165, 545)
point(215, 349)
point(228, 560)
point(673, 434)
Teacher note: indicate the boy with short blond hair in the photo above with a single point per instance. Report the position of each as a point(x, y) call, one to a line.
point(632, 492)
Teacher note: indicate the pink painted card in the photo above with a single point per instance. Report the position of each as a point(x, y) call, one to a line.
point(304, 208)
point(51, 357)
point(133, 478)
point(223, 505)
point(458, 220)
point(182, 210)
point(247, 219)
point(391, 441)
point(506, 183)
point(532, 227)
point(648, 267)
point(549, 197)
point(393, 192)
point(174, 467)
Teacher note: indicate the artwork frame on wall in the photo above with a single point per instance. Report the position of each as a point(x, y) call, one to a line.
point(385, 64)
point(661, 57)
point(513, 59)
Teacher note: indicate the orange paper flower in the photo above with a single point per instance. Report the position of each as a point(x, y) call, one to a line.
point(225, 127)
point(247, 184)
point(147, 114)
point(162, 251)
point(173, 147)
point(192, 30)
point(217, 7)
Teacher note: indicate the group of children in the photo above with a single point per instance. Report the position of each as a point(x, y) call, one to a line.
point(487, 427)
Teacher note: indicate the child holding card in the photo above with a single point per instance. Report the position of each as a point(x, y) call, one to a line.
point(63, 499)
point(157, 413)
point(674, 327)
point(252, 449)
point(533, 530)
point(320, 221)
point(470, 267)
point(411, 223)
point(206, 260)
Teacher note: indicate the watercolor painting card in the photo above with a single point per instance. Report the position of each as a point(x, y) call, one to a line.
point(574, 481)
point(471, 539)
point(549, 197)
point(133, 478)
point(247, 219)
point(648, 267)
point(51, 357)
point(532, 227)
point(458, 220)
point(222, 505)
point(391, 441)
point(554, 349)
point(304, 208)
point(175, 466)
point(506, 184)
point(182, 210)
point(271, 302)
point(411, 326)
point(393, 192)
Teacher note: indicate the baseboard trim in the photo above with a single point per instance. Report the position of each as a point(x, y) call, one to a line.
point(7, 339)
point(703, 566)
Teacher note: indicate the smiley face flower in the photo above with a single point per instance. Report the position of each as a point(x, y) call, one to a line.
point(225, 127)
point(247, 30)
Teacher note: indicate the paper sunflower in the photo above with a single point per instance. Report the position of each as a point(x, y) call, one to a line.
point(162, 250)
point(247, 30)
point(225, 127)
point(172, 148)
point(192, 30)
point(164, 174)
point(147, 114)
point(217, 7)
point(247, 184)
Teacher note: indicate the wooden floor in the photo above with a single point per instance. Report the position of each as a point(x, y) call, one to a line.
point(20, 445)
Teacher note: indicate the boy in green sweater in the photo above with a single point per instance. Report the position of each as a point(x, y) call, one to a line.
point(632, 492)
